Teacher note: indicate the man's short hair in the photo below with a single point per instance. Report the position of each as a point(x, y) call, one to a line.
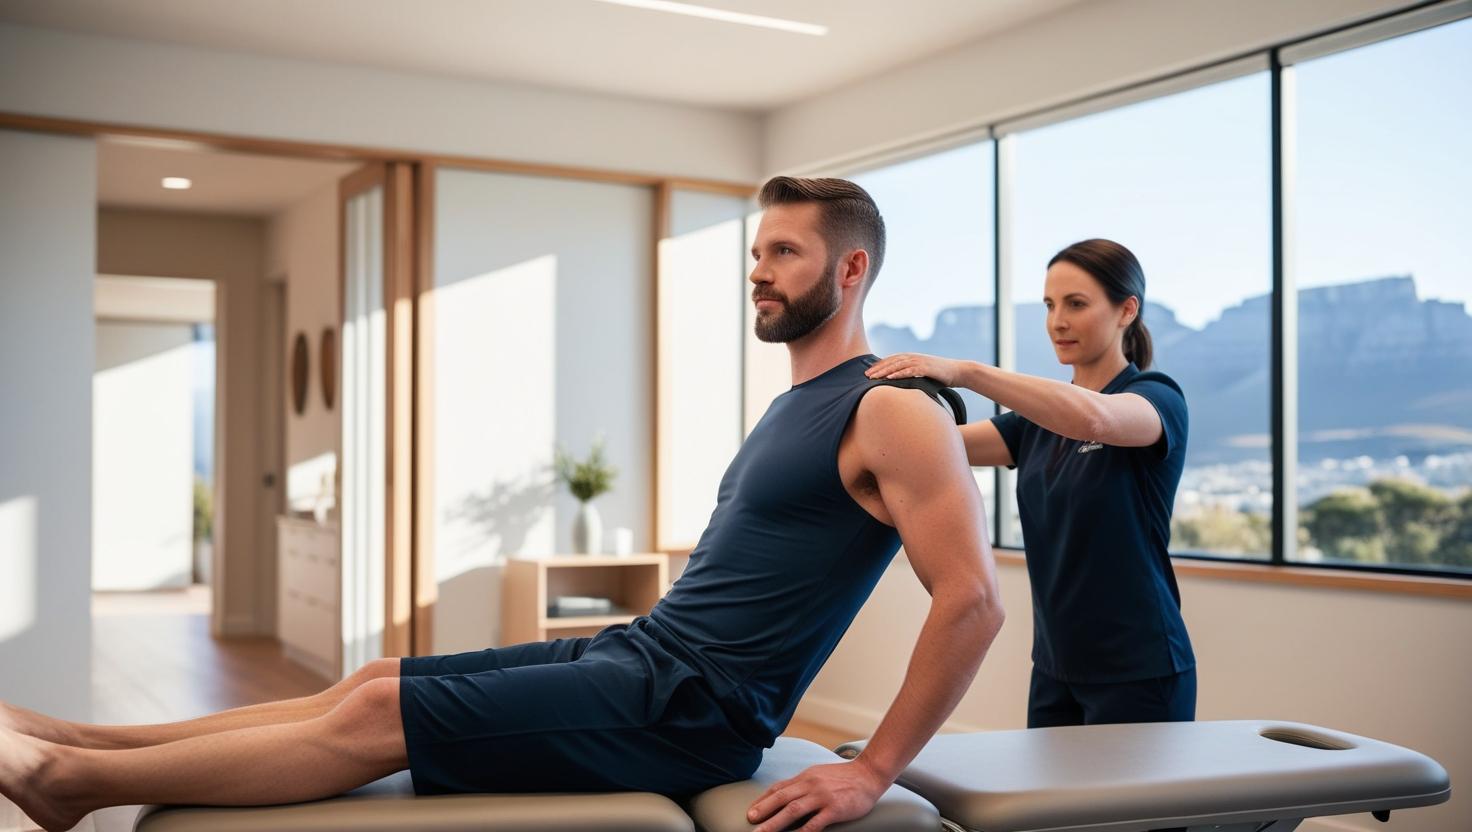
point(850, 219)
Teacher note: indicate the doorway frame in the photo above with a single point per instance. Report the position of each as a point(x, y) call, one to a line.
point(217, 423)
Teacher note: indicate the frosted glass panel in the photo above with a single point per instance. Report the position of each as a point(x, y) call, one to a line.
point(364, 397)
point(702, 295)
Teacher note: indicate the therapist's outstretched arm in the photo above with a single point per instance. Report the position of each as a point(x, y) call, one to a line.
point(916, 456)
point(1124, 420)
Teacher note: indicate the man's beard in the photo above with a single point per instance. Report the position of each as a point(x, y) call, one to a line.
point(801, 316)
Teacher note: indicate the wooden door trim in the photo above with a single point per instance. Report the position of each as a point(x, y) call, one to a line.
point(399, 237)
point(663, 198)
point(398, 301)
point(201, 140)
point(424, 584)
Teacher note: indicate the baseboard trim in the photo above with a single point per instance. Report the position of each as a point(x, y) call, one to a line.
point(856, 720)
point(239, 624)
point(313, 663)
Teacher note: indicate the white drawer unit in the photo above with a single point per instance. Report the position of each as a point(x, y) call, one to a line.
point(308, 592)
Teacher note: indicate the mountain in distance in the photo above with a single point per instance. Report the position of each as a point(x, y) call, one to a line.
point(1381, 372)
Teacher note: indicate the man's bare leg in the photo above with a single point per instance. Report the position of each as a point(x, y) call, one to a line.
point(358, 741)
point(85, 735)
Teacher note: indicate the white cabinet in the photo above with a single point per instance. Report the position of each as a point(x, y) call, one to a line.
point(308, 593)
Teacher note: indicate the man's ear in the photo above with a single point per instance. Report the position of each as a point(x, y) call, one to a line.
point(855, 268)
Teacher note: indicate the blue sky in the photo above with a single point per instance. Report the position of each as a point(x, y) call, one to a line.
point(1381, 187)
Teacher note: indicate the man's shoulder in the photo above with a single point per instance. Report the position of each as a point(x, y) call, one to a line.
point(903, 437)
point(893, 400)
point(889, 416)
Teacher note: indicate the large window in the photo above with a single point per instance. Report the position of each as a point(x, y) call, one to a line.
point(1183, 182)
point(1302, 217)
point(1381, 217)
point(936, 290)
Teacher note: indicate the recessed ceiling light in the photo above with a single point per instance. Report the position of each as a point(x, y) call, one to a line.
point(723, 15)
point(177, 183)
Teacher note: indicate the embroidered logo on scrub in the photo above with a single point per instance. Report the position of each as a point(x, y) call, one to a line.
point(1090, 446)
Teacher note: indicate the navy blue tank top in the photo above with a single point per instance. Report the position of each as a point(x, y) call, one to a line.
point(786, 562)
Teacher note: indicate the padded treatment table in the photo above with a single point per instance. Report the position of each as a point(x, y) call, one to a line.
point(390, 804)
point(1230, 776)
point(723, 809)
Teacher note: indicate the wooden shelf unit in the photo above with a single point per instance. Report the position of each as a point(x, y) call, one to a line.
point(633, 582)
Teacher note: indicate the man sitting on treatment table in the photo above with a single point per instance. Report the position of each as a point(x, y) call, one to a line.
point(839, 472)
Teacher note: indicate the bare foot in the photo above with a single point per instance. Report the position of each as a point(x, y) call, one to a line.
point(38, 725)
point(26, 764)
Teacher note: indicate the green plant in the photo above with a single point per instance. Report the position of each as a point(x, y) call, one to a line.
point(204, 512)
point(586, 479)
point(1392, 521)
point(1222, 530)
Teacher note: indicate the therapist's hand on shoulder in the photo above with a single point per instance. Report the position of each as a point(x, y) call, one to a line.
point(947, 371)
point(825, 794)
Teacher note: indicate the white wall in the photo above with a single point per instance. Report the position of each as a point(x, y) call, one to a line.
point(47, 232)
point(1085, 49)
point(542, 316)
point(54, 73)
point(302, 248)
point(143, 456)
point(230, 252)
point(1391, 667)
point(155, 299)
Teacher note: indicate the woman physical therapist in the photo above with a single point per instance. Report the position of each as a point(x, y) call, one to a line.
point(1097, 463)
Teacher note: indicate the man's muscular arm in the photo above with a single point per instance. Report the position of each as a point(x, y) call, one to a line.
point(917, 457)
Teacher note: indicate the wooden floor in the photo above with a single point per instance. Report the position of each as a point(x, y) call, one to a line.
point(153, 660)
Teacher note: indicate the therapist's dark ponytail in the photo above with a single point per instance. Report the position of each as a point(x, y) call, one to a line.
point(1117, 270)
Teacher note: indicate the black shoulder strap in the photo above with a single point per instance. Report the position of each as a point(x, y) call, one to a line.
point(943, 395)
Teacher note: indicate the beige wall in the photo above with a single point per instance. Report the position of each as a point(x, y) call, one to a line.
point(229, 251)
point(1085, 49)
point(302, 249)
point(1392, 667)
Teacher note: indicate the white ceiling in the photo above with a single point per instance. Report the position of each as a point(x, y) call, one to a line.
point(571, 44)
point(130, 175)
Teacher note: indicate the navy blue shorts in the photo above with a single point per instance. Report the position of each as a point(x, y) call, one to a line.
point(1052, 702)
point(613, 712)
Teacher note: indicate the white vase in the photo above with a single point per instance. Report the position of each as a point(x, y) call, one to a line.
point(587, 530)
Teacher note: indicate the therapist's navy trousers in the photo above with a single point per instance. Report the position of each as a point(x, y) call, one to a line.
point(1051, 702)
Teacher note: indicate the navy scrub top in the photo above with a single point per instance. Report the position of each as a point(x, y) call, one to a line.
point(1096, 523)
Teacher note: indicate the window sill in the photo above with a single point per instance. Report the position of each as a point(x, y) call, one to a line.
point(1299, 576)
